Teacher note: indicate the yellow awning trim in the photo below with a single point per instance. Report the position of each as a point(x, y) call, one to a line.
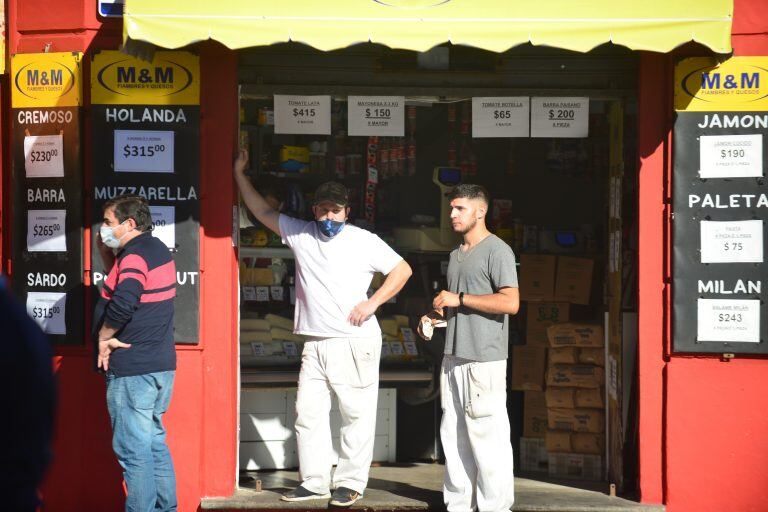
point(494, 25)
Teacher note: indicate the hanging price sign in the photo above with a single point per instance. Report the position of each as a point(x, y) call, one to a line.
point(376, 115)
point(728, 320)
point(164, 224)
point(559, 117)
point(500, 117)
point(303, 114)
point(731, 156)
point(46, 231)
point(44, 156)
point(732, 241)
point(143, 151)
point(48, 310)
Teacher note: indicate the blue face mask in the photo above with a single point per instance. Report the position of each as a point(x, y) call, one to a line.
point(330, 228)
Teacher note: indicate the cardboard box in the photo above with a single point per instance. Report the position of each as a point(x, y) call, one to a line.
point(533, 455)
point(537, 277)
point(575, 376)
point(591, 444)
point(573, 334)
point(563, 398)
point(576, 420)
point(558, 441)
point(574, 280)
point(563, 355)
point(528, 368)
point(534, 415)
point(590, 398)
point(594, 356)
point(539, 316)
point(575, 465)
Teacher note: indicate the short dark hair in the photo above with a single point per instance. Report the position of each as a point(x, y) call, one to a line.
point(470, 191)
point(129, 206)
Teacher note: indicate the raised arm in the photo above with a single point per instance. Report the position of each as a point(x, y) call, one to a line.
point(252, 199)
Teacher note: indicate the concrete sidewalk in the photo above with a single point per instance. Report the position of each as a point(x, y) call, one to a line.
point(419, 487)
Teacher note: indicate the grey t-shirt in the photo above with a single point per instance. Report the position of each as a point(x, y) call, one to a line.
point(485, 269)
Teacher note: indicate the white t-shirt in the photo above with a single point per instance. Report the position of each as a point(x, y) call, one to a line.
point(333, 276)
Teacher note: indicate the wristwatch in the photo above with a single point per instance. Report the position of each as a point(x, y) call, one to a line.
point(461, 299)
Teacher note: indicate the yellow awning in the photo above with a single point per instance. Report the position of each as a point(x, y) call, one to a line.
point(495, 25)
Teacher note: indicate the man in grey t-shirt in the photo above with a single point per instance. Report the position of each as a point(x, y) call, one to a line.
point(482, 292)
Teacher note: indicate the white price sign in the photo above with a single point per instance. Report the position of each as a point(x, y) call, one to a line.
point(164, 224)
point(276, 293)
point(410, 348)
point(249, 293)
point(732, 241)
point(257, 348)
point(48, 310)
point(46, 231)
point(44, 156)
point(303, 114)
point(385, 350)
point(501, 116)
point(262, 294)
point(376, 115)
point(559, 117)
point(143, 151)
point(728, 320)
point(290, 348)
point(731, 156)
point(396, 348)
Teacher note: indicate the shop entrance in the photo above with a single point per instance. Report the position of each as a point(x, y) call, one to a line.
point(564, 202)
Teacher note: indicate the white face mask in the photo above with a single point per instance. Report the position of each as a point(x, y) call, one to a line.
point(108, 237)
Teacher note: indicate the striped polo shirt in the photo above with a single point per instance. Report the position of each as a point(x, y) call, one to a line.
point(137, 299)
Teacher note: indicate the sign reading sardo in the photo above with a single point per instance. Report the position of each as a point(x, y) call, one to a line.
point(47, 184)
point(146, 131)
point(172, 78)
point(720, 206)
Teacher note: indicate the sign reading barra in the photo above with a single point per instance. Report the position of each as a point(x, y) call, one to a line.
point(720, 206)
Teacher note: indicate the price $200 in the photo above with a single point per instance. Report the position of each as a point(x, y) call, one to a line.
point(143, 151)
point(45, 312)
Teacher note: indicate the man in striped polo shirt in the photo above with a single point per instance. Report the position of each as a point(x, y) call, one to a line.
point(136, 350)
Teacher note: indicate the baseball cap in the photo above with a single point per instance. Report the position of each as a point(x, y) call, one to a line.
point(332, 191)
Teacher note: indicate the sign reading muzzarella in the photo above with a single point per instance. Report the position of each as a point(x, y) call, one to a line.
point(720, 206)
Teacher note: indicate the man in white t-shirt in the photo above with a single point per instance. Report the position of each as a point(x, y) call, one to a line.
point(335, 263)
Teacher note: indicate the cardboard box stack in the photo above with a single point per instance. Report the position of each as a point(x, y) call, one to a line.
point(560, 368)
point(575, 400)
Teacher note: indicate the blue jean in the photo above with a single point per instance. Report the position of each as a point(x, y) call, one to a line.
point(136, 406)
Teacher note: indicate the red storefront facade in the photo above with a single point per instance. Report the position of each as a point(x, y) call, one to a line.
point(702, 431)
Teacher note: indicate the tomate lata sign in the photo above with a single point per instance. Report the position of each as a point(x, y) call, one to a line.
point(46, 80)
point(172, 78)
point(738, 84)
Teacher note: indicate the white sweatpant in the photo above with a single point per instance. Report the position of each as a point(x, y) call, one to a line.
point(349, 367)
point(475, 434)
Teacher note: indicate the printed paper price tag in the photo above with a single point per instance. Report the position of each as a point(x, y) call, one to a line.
point(500, 116)
point(262, 294)
point(44, 156)
point(385, 350)
point(407, 334)
point(46, 231)
point(276, 293)
point(249, 293)
point(376, 115)
point(731, 156)
point(396, 349)
point(411, 349)
point(732, 241)
point(164, 224)
point(257, 347)
point(559, 117)
point(48, 310)
point(290, 348)
point(143, 151)
point(303, 114)
point(728, 320)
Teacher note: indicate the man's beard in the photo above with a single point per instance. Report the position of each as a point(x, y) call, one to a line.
point(468, 228)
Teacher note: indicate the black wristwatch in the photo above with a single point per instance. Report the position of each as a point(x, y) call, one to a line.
point(461, 299)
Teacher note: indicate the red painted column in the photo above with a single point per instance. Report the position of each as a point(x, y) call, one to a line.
point(653, 108)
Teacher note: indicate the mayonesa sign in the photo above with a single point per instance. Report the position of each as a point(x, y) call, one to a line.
point(738, 84)
point(172, 78)
point(46, 80)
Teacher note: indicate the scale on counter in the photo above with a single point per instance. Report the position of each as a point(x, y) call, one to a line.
point(441, 238)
